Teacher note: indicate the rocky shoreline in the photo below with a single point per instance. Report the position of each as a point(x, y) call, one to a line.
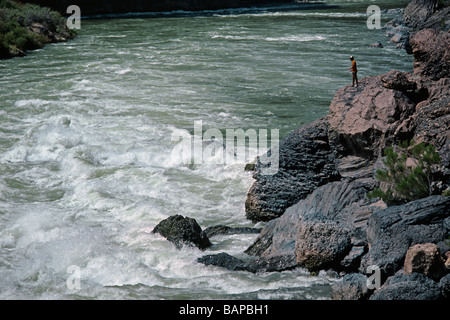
point(316, 207)
point(27, 27)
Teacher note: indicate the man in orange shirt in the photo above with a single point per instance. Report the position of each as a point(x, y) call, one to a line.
point(354, 71)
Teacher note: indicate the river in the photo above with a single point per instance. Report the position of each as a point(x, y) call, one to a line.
point(90, 134)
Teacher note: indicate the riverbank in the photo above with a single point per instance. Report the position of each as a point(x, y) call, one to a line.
point(320, 215)
point(25, 27)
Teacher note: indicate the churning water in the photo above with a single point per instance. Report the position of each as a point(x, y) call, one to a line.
point(88, 136)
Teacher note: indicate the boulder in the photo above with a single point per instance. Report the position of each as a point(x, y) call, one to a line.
point(223, 260)
point(351, 287)
point(362, 121)
point(321, 230)
point(321, 245)
point(426, 259)
point(391, 231)
point(413, 286)
point(306, 162)
point(182, 231)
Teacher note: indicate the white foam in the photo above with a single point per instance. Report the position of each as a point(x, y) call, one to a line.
point(124, 71)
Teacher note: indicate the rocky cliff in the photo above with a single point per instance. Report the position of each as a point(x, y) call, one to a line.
point(320, 215)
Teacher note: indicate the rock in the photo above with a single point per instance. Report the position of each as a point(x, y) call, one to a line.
point(363, 120)
point(321, 245)
point(426, 259)
point(223, 260)
point(439, 20)
point(306, 161)
point(221, 229)
point(182, 231)
point(418, 11)
point(447, 260)
point(353, 259)
point(400, 81)
point(354, 167)
point(264, 240)
point(338, 209)
point(390, 232)
point(431, 50)
point(413, 286)
point(400, 36)
point(377, 45)
point(444, 285)
point(352, 287)
point(431, 122)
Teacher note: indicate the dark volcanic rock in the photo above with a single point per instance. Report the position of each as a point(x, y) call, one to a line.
point(306, 161)
point(413, 286)
point(444, 284)
point(339, 208)
point(182, 231)
point(223, 260)
point(390, 232)
point(351, 287)
point(221, 229)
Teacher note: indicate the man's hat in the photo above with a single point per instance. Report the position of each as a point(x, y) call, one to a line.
point(351, 57)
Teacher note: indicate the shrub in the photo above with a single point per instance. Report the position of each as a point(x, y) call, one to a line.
point(406, 182)
point(16, 20)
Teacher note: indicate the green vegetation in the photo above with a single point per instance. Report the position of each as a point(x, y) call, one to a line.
point(27, 27)
point(409, 173)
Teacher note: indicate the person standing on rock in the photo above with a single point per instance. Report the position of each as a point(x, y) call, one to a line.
point(354, 71)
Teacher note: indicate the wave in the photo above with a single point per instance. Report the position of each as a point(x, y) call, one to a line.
point(290, 38)
point(219, 12)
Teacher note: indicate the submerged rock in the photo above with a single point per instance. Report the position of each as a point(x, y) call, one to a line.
point(221, 229)
point(224, 260)
point(182, 231)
